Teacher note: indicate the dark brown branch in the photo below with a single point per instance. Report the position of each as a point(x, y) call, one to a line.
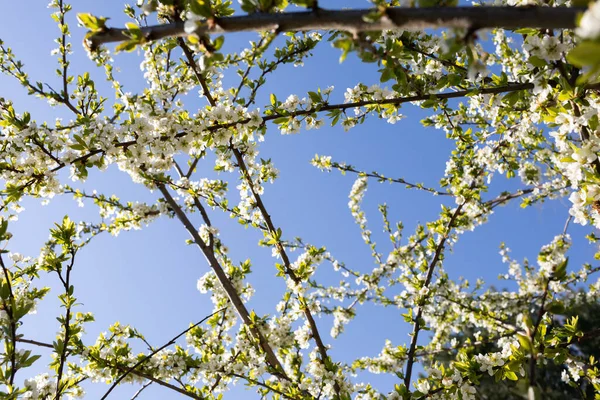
point(200, 207)
point(327, 107)
point(208, 250)
point(271, 227)
point(143, 360)
point(513, 87)
point(155, 380)
point(396, 18)
point(534, 351)
point(417, 320)
point(225, 282)
point(191, 62)
point(35, 343)
point(284, 257)
point(138, 373)
point(13, 324)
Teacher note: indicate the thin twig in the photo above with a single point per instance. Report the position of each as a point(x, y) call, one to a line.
point(67, 324)
point(144, 386)
point(417, 320)
point(350, 168)
point(13, 324)
point(143, 360)
point(138, 373)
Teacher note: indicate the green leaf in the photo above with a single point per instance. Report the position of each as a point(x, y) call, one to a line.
point(91, 22)
point(127, 46)
point(387, 74)
point(3, 228)
point(555, 307)
point(314, 97)
point(580, 3)
point(133, 31)
point(584, 54)
point(560, 272)
point(527, 31)
point(202, 8)
point(537, 62)
point(511, 375)
point(281, 120)
point(218, 42)
point(4, 291)
point(525, 342)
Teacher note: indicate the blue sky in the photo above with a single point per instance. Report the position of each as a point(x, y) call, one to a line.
point(148, 278)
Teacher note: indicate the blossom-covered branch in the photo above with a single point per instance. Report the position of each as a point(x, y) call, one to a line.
point(393, 18)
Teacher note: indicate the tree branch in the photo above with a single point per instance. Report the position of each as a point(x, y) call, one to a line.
point(417, 327)
point(138, 373)
point(225, 282)
point(143, 360)
point(11, 340)
point(513, 87)
point(284, 257)
point(395, 18)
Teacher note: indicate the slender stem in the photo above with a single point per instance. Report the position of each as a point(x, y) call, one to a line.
point(497, 320)
point(138, 373)
point(158, 381)
point(46, 151)
point(13, 324)
point(35, 343)
point(20, 76)
point(540, 315)
point(149, 356)
point(262, 384)
point(67, 323)
point(512, 87)
point(248, 69)
point(271, 68)
point(144, 386)
point(350, 168)
point(191, 63)
point(417, 320)
point(65, 64)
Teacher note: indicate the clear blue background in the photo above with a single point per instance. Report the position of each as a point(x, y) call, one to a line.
point(148, 278)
